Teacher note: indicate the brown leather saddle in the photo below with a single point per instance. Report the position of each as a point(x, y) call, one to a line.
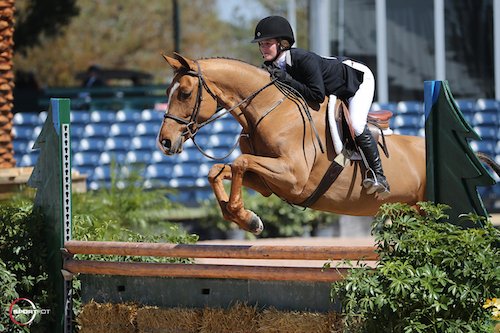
point(378, 121)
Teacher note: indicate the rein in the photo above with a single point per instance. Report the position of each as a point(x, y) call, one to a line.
point(192, 126)
point(191, 130)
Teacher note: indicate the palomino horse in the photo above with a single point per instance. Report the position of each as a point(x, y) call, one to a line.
point(281, 148)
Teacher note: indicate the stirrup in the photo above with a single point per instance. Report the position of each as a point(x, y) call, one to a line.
point(373, 185)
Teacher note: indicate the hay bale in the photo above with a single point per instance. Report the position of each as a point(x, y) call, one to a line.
point(274, 321)
point(240, 318)
point(107, 318)
point(179, 320)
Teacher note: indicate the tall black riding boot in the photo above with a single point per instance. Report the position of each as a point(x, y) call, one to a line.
point(375, 180)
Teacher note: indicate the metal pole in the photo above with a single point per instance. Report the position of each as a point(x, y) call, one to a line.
point(439, 40)
point(496, 43)
point(176, 26)
point(319, 12)
point(382, 72)
point(292, 18)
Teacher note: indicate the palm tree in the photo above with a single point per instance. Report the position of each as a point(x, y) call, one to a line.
point(7, 10)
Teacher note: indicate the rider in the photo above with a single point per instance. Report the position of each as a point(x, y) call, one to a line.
point(315, 77)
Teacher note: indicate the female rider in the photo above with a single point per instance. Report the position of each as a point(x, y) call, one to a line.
point(315, 77)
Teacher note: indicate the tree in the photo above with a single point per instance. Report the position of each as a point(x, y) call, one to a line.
point(7, 10)
point(41, 17)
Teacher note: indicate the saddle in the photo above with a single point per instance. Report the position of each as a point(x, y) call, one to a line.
point(378, 124)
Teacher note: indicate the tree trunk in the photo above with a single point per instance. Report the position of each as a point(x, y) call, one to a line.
point(7, 10)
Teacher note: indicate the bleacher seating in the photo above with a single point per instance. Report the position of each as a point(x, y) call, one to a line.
point(128, 137)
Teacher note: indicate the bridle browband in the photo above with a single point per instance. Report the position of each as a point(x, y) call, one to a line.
point(192, 125)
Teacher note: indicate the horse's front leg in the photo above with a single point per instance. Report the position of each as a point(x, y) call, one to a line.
point(273, 170)
point(218, 173)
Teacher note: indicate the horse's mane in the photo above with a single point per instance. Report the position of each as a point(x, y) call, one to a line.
point(227, 58)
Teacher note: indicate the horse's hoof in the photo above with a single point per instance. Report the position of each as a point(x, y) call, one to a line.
point(255, 226)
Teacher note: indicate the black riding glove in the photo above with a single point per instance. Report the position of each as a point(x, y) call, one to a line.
point(280, 75)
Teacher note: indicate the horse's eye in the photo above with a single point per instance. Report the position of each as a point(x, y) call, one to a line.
point(184, 95)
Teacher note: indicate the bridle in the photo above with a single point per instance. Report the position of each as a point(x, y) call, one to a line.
point(192, 125)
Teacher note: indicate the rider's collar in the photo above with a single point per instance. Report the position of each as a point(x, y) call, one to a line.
point(283, 59)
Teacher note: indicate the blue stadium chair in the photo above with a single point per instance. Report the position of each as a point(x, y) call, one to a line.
point(86, 158)
point(158, 157)
point(147, 128)
point(102, 172)
point(122, 129)
point(28, 159)
point(128, 115)
point(87, 170)
point(103, 116)
point(497, 149)
point(186, 170)
point(139, 156)
point(22, 147)
point(222, 140)
point(182, 182)
point(484, 146)
point(487, 132)
point(117, 143)
point(143, 142)
point(92, 144)
point(391, 106)
point(148, 115)
point(489, 118)
point(42, 116)
point(229, 125)
point(26, 118)
point(23, 132)
point(410, 107)
point(413, 131)
point(118, 157)
point(96, 130)
point(484, 104)
point(407, 121)
point(79, 117)
point(159, 171)
point(203, 194)
point(467, 106)
point(77, 130)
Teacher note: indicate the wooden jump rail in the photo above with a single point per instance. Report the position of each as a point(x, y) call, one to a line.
point(213, 271)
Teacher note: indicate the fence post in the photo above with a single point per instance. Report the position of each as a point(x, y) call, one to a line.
point(52, 178)
point(453, 169)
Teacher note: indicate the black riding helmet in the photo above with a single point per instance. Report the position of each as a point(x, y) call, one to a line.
point(273, 27)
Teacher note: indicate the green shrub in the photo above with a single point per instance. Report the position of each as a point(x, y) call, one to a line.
point(432, 276)
point(24, 260)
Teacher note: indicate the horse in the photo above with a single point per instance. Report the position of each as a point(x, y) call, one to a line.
point(286, 146)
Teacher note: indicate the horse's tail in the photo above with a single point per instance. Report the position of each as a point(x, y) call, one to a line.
point(490, 162)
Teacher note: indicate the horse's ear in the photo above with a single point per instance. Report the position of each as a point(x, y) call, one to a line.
point(184, 61)
point(177, 62)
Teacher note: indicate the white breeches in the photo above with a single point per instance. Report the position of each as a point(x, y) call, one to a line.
point(360, 103)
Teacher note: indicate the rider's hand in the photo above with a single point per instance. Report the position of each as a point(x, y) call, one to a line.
point(280, 75)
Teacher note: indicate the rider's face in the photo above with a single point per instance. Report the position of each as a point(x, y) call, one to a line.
point(269, 49)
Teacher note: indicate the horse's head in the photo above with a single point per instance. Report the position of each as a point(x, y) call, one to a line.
point(190, 103)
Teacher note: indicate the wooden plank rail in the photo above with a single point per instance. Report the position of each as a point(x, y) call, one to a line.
point(291, 252)
point(214, 271)
point(206, 271)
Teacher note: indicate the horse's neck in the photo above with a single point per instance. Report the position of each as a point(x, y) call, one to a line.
point(237, 81)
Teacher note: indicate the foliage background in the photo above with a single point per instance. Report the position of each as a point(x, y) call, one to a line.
point(132, 35)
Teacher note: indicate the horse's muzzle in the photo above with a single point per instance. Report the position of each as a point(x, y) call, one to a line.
point(170, 148)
